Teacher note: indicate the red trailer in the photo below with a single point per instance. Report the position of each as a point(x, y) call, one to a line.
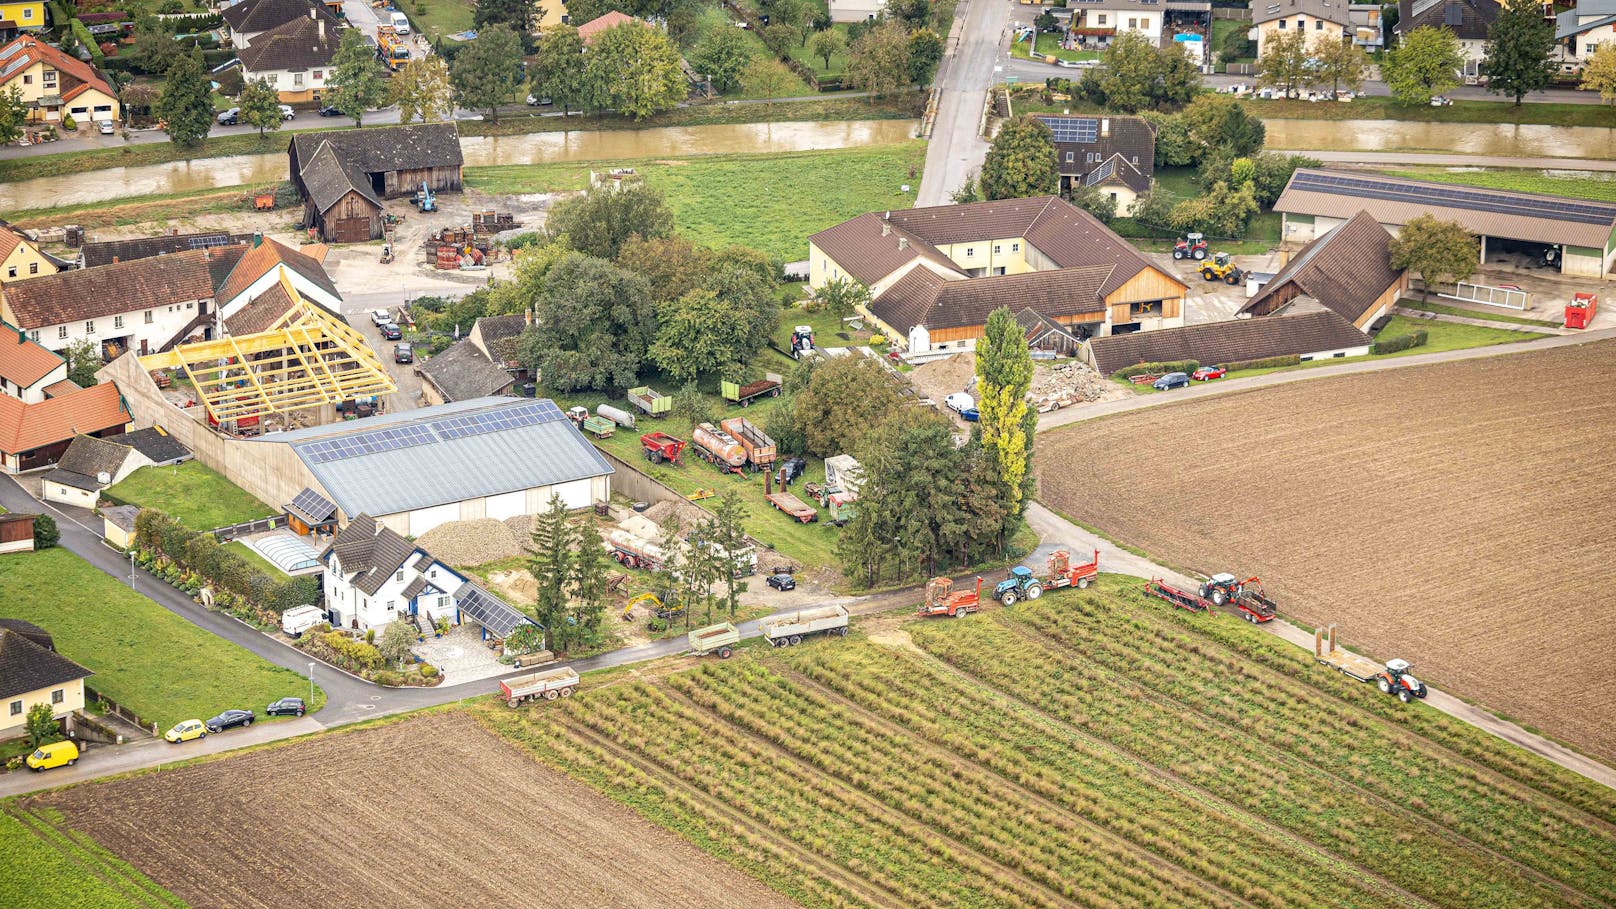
point(659, 447)
point(943, 599)
point(1183, 599)
point(793, 506)
point(1062, 573)
point(1579, 313)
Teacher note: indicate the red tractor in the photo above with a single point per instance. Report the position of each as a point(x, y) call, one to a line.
point(1398, 680)
point(943, 599)
point(1247, 596)
point(659, 447)
point(1192, 246)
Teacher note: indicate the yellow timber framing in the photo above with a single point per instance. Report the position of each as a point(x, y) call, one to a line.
point(307, 359)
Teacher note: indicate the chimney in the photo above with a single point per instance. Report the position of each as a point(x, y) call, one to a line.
point(321, 24)
point(1105, 127)
point(258, 238)
point(311, 13)
point(885, 228)
point(887, 216)
point(903, 242)
point(115, 260)
point(173, 231)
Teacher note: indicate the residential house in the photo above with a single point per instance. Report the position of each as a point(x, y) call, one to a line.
point(33, 436)
point(260, 270)
point(250, 18)
point(343, 176)
point(591, 29)
point(294, 58)
point(17, 16)
point(1348, 271)
point(1096, 22)
point(21, 258)
point(29, 372)
point(1316, 335)
point(53, 83)
point(88, 466)
point(1469, 21)
point(934, 274)
point(374, 575)
point(496, 337)
point(1581, 30)
point(460, 373)
point(1319, 20)
point(32, 674)
point(1115, 154)
point(856, 10)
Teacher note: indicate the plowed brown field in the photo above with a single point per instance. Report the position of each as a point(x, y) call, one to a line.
point(432, 811)
point(1458, 515)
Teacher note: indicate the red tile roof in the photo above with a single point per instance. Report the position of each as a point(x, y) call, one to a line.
point(595, 26)
point(25, 427)
point(35, 51)
point(9, 240)
point(22, 362)
point(259, 260)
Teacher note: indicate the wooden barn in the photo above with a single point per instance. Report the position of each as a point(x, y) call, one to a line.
point(344, 176)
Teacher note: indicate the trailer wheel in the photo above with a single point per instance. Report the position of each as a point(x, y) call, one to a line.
point(959, 613)
point(796, 639)
point(566, 692)
point(1385, 686)
point(552, 694)
point(513, 702)
point(842, 631)
point(656, 457)
point(1404, 695)
point(1082, 583)
point(723, 653)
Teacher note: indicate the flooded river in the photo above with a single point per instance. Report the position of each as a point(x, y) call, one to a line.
point(532, 148)
point(1502, 139)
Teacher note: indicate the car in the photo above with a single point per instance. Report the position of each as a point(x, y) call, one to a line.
point(331, 111)
point(1170, 381)
point(1069, 64)
point(970, 415)
point(229, 117)
point(59, 754)
point(959, 402)
point(536, 101)
point(380, 317)
point(403, 353)
point(391, 332)
point(185, 730)
point(285, 707)
point(782, 581)
point(792, 468)
point(287, 113)
point(229, 719)
point(1441, 101)
point(1208, 373)
point(106, 127)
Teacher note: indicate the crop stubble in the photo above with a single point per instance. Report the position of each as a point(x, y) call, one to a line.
point(1451, 514)
point(433, 811)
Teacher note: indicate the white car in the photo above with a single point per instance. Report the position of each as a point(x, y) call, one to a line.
point(1441, 101)
point(287, 113)
point(959, 402)
point(106, 127)
point(380, 317)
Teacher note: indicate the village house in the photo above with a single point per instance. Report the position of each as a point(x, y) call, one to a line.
point(92, 464)
point(1319, 20)
point(934, 274)
point(35, 435)
point(344, 176)
point(1117, 155)
point(54, 84)
point(248, 19)
point(21, 258)
point(591, 29)
point(856, 10)
point(1581, 30)
point(97, 253)
point(462, 372)
point(18, 16)
point(1469, 21)
point(294, 58)
point(33, 673)
point(29, 372)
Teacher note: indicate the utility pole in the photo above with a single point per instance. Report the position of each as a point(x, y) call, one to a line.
point(131, 569)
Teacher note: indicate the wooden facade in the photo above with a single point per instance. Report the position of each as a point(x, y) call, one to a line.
point(1149, 285)
point(353, 219)
point(397, 183)
point(1383, 303)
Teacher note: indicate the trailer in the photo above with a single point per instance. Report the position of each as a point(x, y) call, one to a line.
point(943, 599)
point(648, 399)
point(659, 447)
point(549, 684)
point(616, 415)
point(631, 551)
point(1247, 596)
point(718, 448)
point(789, 630)
point(719, 639)
point(744, 395)
point(1062, 573)
point(1580, 312)
point(1394, 678)
point(1183, 599)
point(844, 472)
point(760, 450)
point(841, 507)
point(793, 506)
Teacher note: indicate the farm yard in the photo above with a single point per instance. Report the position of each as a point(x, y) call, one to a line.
point(438, 812)
point(1437, 516)
point(1094, 749)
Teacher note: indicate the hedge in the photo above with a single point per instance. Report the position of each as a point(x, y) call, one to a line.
point(1401, 342)
point(103, 18)
point(1158, 368)
point(172, 546)
point(82, 33)
point(1265, 363)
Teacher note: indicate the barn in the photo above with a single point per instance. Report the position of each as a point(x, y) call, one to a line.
point(344, 176)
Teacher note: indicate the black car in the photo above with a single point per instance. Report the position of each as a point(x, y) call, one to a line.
point(783, 581)
point(403, 353)
point(285, 707)
point(390, 332)
point(329, 111)
point(228, 719)
point(792, 468)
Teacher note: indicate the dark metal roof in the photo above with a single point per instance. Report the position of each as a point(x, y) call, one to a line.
point(462, 372)
point(25, 666)
point(1230, 341)
point(1346, 270)
point(381, 149)
point(299, 44)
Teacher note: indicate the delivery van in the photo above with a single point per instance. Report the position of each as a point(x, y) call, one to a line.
point(401, 23)
point(53, 755)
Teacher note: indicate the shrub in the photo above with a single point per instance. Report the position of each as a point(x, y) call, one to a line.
point(42, 726)
point(1401, 342)
point(68, 123)
point(1158, 368)
point(370, 636)
point(428, 670)
point(1265, 363)
point(82, 34)
point(46, 533)
point(388, 677)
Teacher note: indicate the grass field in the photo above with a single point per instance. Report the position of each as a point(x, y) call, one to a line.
point(1468, 313)
point(838, 62)
point(1577, 184)
point(193, 492)
point(48, 863)
point(254, 559)
point(1091, 749)
point(169, 207)
point(441, 18)
point(1049, 44)
point(768, 202)
point(144, 657)
point(1442, 336)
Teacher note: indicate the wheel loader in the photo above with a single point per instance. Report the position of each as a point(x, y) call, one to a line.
point(1222, 268)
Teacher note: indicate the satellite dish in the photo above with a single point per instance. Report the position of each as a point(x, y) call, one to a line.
point(104, 478)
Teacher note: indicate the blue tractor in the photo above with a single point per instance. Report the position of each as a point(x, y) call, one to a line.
point(1020, 585)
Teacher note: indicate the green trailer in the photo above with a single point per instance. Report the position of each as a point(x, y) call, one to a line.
point(648, 399)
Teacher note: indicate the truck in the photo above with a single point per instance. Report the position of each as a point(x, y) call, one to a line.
point(718, 448)
point(648, 399)
point(548, 684)
point(844, 473)
point(793, 506)
point(631, 551)
point(744, 395)
point(760, 450)
point(943, 599)
point(719, 639)
point(659, 447)
point(789, 630)
point(299, 619)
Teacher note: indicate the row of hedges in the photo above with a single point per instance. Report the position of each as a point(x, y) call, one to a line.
point(1401, 342)
point(103, 18)
point(1157, 368)
point(1265, 363)
point(192, 561)
point(82, 33)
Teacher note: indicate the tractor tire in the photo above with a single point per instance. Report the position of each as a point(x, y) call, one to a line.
point(1404, 695)
point(1384, 683)
point(1232, 278)
point(1008, 598)
point(842, 632)
point(1200, 254)
point(1034, 592)
point(1219, 596)
point(1178, 253)
point(1082, 583)
point(959, 613)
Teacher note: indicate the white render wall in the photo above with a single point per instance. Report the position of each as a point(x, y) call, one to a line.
point(166, 322)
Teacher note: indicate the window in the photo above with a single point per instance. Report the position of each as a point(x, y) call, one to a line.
point(392, 605)
point(34, 336)
point(27, 13)
point(117, 321)
point(1282, 23)
point(1015, 247)
point(16, 708)
point(316, 75)
point(970, 251)
point(443, 602)
point(997, 250)
point(89, 327)
point(11, 271)
point(433, 574)
point(1101, 19)
point(27, 80)
point(50, 78)
point(1136, 160)
point(33, 268)
point(190, 304)
point(61, 331)
point(148, 317)
point(58, 696)
point(1318, 25)
point(1070, 157)
point(399, 576)
point(297, 80)
point(1133, 22)
point(1093, 157)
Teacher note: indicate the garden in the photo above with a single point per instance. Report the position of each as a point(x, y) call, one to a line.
point(193, 493)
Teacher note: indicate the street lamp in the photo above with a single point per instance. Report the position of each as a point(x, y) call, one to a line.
point(131, 569)
point(311, 686)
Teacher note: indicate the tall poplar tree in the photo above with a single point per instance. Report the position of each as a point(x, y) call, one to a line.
point(1003, 378)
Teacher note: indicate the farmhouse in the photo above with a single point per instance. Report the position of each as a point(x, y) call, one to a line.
point(1334, 20)
point(1318, 335)
point(36, 435)
point(250, 18)
point(460, 373)
point(1469, 21)
point(934, 274)
point(105, 252)
point(29, 372)
point(33, 673)
point(88, 466)
point(20, 259)
point(1580, 232)
point(264, 265)
point(294, 57)
point(344, 176)
point(375, 576)
point(1347, 271)
point(1116, 154)
point(54, 84)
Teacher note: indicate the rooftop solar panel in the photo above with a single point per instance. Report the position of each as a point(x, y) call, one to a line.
point(313, 504)
point(1073, 129)
point(1438, 195)
point(529, 414)
point(368, 443)
point(489, 611)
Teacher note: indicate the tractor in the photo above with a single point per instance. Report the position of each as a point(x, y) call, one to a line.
point(1399, 681)
point(1192, 246)
point(1222, 268)
point(1020, 585)
point(1247, 596)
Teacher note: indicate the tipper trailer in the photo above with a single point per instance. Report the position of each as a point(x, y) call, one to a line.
point(720, 639)
point(760, 450)
point(648, 399)
point(549, 684)
point(789, 630)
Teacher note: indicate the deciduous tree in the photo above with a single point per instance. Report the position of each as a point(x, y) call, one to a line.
point(1424, 65)
point(594, 323)
point(827, 44)
point(842, 296)
point(845, 399)
point(767, 78)
point(1221, 211)
point(488, 71)
point(357, 81)
point(42, 726)
point(1135, 75)
point(721, 56)
point(1441, 251)
point(1221, 126)
point(186, 105)
point(878, 62)
point(395, 643)
point(1339, 64)
point(695, 336)
point(672, 265)
point(83, 362)
point(635, 70)
point(260, 106)
point(925, 52)
point(598, 222)
point(1003, 378)
point(422, 90)
point(1284, 62)
point(1599, 74)
point(560, 71)
point(1021, 161)
point(1520, 48)
point(520, 16)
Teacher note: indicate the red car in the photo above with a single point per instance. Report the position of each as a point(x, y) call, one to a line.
point(1208, 373)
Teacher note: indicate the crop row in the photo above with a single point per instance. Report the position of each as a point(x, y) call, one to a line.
point(1457, 736)
point(970, 805)
point(1235, 766)
point(43, 858)
point(547, 737)
point(1286, 714)
point(1243, 855)
point(918, 865)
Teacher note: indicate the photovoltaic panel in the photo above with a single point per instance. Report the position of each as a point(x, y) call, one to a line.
point(488, 611)
point(529, 414)
point(313, 504)
point(1073, 129)
point(363, 443)
point(1455, 197)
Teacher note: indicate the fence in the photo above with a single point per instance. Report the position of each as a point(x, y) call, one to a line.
point(1221, 12)
point(1486, 294)
point(118, 710)
point(226, 534)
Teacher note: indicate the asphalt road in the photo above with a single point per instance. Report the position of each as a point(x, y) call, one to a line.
point(956, 146)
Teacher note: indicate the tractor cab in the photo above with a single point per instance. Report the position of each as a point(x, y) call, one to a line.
point(1399, 681)
point(1223, 579)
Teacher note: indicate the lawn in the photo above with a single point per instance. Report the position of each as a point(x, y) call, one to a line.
point(1049, 45)
point(49, 864)
point(1442, 336)
point(768, 202)
point(838, 62)
point(252, 558)
point(440, 18)
point(144, 657)
point(167, 207)
point(1221, 28)
point(1585, 185)
point(193, 493)
point(1488, 315)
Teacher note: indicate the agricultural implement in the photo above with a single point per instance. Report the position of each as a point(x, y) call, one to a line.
point(700, 494)
point(718, 448)
point(264, 202)
point(549, 684)
point(1394, 678)
point(648, 399)
point(601, 427)
point(659, 447)
point(793, 506)
point(943, 599)
point(1183, 599)
point(632, 552)
point(1580, 312)
point(760, 450)
point(719, 639)
point(789, 630)
point(1246, 596)
point(744, 395)
point(1023, 585)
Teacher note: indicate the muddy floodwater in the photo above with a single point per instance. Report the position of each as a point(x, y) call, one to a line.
point(531, 148)
point(1502, 139)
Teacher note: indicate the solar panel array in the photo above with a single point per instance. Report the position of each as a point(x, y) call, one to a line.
point(364, 443)
point(313, 504)
point(1103, 172)
point(475, 424)
point(1455, 197)
point(490, 612)
point(209, 241)
point(1073, 129)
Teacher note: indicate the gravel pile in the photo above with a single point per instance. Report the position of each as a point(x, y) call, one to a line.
point(941, 378)
point(472, 542)
point(1068, 383)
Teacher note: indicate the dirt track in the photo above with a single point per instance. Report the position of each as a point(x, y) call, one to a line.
point(1451, 514)
point(433, 811)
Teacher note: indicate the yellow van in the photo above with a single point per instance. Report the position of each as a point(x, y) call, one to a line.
point(55, 755)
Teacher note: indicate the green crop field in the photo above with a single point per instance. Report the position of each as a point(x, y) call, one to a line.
point(1093, 748)
point(194, 493)
point(50, 864)
point(144, 657)
point(1580, 185)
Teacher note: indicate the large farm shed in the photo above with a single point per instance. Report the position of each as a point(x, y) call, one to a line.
point(1584, 232)
point(1348, 271)
point(344, 176)
point(1317, 335)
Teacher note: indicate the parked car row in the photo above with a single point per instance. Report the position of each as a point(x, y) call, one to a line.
point(1181, 380)
point(186, 730)
point(232, 116)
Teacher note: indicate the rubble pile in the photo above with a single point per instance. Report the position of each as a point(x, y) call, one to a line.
point(1059, 386)
point(472, 542)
